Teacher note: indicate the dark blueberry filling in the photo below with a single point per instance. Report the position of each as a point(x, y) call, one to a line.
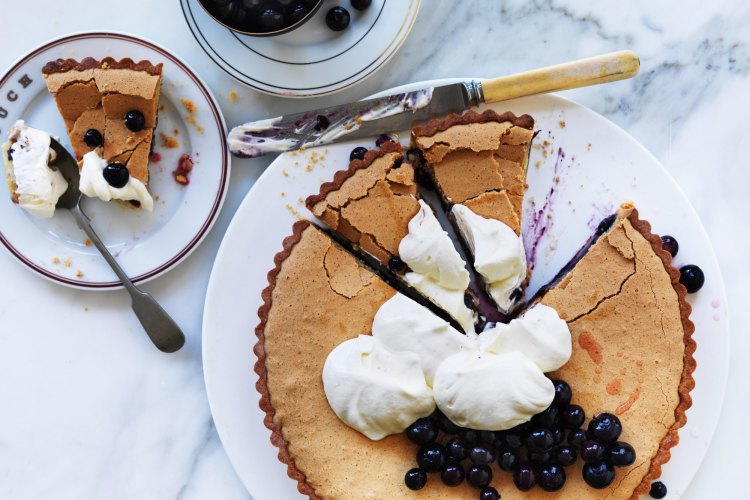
point(669, 243)
point(415, 479)
point(397, 163)
point(93, 138)
point(357, 153)
point(691, 276)
point(135, 121)
point(658, 490)
point(116, 175)
point(338, 18)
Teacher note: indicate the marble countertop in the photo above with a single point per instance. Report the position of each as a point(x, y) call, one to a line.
point(91, 410)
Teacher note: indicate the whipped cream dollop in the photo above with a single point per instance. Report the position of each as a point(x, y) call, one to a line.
point(375, 390)
point(93, 184)
point(437, 269)
point(491, 392)
point(498, 253)
point(403, 325)
point(539, 334)
point(37, 186)
point(382, 383)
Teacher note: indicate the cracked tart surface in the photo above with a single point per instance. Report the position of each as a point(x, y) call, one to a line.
point(97, 94)
point(632, 355)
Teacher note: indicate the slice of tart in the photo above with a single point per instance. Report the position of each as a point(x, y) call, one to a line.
point(479, 160)
point(375, 205)
point(110, 111)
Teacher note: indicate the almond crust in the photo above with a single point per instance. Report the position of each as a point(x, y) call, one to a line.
point(687, 383)
point(342, 175)
point(436, 125)
point(277, 439)
point(65, 65)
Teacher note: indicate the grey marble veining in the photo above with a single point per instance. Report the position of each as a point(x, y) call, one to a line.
point(102, 415)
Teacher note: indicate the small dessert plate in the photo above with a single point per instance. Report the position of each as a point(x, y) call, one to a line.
point(311, 60)
point(145, 244)
point(581, 168)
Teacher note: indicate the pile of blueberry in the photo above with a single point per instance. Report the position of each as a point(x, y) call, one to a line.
point(536, 452)
point(691, 276)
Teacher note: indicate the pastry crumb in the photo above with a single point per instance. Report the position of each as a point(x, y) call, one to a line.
point(562, 123)
point(67, 262)
point(79, 273)
point(538, 163)
point(191, 108)
point(232, 96)
point(589, 147)
point(285, 173)
point(55, 260)
point(294, 212)
point(182, 172)
point(87, 243)
point(168, 141)
point(308, 168)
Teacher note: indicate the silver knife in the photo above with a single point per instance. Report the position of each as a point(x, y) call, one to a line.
point(395, 112)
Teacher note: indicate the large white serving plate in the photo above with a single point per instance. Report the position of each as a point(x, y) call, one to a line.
point(581, 168)
point(312, 60)
point(145, 244)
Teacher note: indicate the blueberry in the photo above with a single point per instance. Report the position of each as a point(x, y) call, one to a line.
point(431, 458)
point(592, 451)
point(507, 459)
point(321, 123)
point(558, 434)
point(116, 175)
point(468, 300)
point(452, 474)
point(456, 448)
point(446, 425)
point(551, 477)
point(396, 265)
point(488, 493)
point(415, 479)
point(423, 431)
point(599, 475)
point(481, 454)
point(563, 393)
point(414, 156)
point(489, 437)
point(691, 276)
point(93, 138)
point(565, 455)
point(297, 12)
point(479, 476)
point(271, 20)
point(547, 418)
point(621, 454)
point(383, 139)
point(524, 477)
point(572, 416)
point(10, 154)
point(470, 435)
point(577, 437)
point(540, 440)
point(361, 4)
point(513, 439)
point(357, 153)
point(669, 243)
point(338, 18)
point(658, 490)
point(605, 427)
point(540, 457)
point(135, 120)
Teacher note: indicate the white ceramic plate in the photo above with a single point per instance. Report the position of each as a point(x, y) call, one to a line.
point(311, 60)
point(145, 244)
point(598, 165)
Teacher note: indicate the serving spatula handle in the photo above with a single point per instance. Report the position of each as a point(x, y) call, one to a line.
point(581, 73)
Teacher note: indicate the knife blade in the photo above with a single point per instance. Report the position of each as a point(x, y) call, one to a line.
point(395, 112)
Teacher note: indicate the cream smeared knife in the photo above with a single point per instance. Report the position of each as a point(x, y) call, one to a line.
point(380, 115)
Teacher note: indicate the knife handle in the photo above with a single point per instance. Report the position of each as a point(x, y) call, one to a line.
point(581, 73)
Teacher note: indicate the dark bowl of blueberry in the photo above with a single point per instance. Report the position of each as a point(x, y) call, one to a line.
point(261, 17)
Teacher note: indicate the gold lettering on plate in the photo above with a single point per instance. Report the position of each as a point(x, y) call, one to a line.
point(12, 96)
point(25, 81)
